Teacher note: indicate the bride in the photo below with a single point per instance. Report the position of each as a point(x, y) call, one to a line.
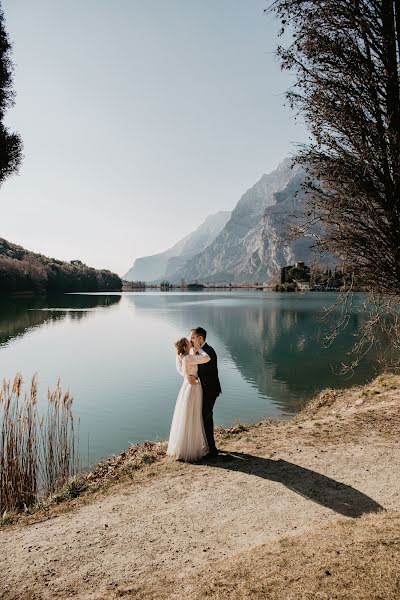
point(187, 440)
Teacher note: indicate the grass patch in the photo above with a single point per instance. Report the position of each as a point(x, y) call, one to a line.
point(8, 518)
point(148, 458)
point(72, 489)
point(357, 559)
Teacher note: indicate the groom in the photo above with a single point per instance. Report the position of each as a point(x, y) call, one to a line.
point(208, 375)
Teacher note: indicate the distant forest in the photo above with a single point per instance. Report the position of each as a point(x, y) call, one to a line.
point(22, 270)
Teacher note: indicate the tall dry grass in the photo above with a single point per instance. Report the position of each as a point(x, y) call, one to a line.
point(38, 452)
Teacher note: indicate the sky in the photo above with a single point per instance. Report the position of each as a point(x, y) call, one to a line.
point(139, 118)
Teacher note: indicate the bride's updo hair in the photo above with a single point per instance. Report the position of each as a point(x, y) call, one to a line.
point(180, 345)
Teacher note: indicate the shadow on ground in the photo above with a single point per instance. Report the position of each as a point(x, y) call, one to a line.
point(335, 495)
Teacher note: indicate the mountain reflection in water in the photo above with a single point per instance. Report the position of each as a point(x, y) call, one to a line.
point(115, 353)
point(275, 340)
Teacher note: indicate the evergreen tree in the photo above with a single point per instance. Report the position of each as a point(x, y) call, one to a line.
point(10, 143)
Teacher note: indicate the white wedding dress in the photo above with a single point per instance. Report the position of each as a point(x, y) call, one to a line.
point(187, 439)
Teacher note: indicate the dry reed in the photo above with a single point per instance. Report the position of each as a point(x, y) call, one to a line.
point(38, 452)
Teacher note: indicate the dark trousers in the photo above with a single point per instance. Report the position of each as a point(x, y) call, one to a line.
point(209, 399)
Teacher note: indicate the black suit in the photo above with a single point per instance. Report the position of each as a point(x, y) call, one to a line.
point(208, 375)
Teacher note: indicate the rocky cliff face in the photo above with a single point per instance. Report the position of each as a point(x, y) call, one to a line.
point(251, 246)
point(164, 265)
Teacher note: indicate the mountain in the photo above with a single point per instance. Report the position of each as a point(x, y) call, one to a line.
point(250, 247)
point(163, 265)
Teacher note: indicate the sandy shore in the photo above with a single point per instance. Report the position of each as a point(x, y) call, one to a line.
point(305, 508)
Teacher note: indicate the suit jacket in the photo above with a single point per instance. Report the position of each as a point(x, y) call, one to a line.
point(208, 373)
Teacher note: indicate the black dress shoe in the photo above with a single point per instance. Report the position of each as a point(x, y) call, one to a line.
point(211, 455)
point(225, 457)
point(217, 456)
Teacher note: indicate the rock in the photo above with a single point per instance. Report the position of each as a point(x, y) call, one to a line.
point(252, 247)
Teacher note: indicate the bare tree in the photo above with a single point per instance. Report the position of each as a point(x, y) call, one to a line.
point(345, 55)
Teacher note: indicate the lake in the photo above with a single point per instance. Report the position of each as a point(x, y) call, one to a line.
point(115, 354)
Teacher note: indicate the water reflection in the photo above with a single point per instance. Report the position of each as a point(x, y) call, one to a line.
point(276, 341)
point(115, 353)
point(18, 315)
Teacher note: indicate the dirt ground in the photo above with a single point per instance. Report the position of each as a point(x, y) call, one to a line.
point(243, 527)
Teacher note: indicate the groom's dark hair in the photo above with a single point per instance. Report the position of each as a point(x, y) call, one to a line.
point(200, 331)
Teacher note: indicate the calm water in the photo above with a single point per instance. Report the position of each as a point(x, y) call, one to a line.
point(115, 353)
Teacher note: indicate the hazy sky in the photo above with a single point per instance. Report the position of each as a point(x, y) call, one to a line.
point(139, 118)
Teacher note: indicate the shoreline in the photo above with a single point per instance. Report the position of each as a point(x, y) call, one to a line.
point(136, 457)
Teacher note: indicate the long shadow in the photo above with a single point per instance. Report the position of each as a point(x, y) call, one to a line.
point(335, 495)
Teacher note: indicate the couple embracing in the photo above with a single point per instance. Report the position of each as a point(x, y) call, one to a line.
point(192, 430)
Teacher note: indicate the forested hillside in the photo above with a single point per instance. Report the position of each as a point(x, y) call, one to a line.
point(22, 270)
